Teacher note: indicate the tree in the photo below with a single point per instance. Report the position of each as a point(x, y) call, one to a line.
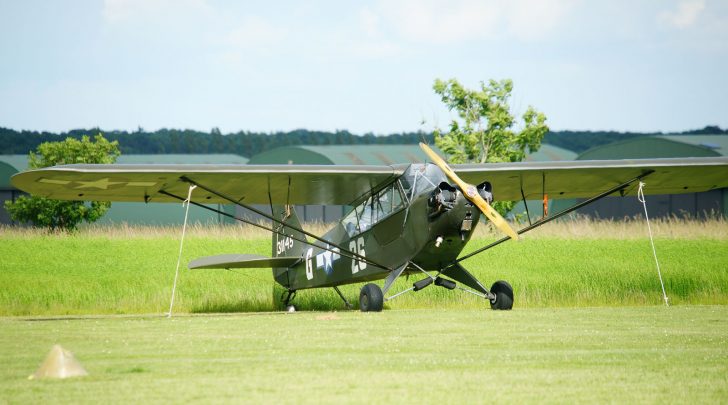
point(484, 131)
point(56, 214)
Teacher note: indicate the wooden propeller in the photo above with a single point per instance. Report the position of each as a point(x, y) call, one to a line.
point(471, 193)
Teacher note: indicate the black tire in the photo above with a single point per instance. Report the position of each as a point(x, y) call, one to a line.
point(371, 298)
point(503, 295)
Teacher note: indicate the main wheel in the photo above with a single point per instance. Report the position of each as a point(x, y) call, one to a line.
point(503, 295)
point(371, 298)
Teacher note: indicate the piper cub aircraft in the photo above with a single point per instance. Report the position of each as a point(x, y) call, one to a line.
point(406, 219)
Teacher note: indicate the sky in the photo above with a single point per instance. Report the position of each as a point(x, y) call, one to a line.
point(362, 66)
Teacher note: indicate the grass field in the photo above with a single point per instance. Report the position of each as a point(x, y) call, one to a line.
point(647, 354)
point(588, 324)
point(122, 270)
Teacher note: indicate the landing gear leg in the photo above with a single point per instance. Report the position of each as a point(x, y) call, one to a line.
point(371, 298)
point(348, 305)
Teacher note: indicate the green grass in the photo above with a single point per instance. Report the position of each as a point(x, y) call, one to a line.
point(647, 354)
point(92, 273)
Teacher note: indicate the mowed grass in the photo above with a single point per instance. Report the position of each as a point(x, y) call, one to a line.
point(647, 354)
point(122, 270)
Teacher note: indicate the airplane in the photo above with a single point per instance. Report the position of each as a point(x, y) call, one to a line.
point(406, 219)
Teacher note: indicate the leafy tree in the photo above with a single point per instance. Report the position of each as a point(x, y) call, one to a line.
point(484, 131)
point(56, 214)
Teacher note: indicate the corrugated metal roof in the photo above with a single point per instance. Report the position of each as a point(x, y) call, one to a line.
point(717, 143)
point(19, 162)
point(550, 153)
point(647, 147)
point(183, 159)
point(342, 155)
point(376, 154)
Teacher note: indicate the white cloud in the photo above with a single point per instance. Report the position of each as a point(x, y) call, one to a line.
point(684, 16)
point(370, 22)
point(536, 19)
point(118, 11)
point(375, 49)
point(441, 22)
point(255, 32)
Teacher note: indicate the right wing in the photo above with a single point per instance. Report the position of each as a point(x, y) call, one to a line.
point(249, 184)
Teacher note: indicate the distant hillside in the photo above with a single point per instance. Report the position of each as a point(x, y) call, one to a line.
point(165, 141)
point(248, 144)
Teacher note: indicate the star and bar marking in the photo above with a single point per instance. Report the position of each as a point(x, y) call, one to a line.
point(100, 184)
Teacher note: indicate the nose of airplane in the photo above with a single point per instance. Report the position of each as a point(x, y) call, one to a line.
point(451, 213)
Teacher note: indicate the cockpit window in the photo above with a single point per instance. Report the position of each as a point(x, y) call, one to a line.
point(377, 207)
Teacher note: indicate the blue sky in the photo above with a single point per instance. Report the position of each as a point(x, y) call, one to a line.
point(363, 66)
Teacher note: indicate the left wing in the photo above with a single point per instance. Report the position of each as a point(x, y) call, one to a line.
point(251, 184)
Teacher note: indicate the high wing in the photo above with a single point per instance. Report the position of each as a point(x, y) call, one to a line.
point(585, 178)
point(341, 185)
point(249, 184)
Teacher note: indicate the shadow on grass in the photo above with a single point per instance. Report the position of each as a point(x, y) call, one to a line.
point(302, 304)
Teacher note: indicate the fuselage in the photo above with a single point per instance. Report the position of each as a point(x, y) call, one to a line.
point(416, 219)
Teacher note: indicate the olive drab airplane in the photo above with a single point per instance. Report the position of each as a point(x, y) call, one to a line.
point(405, 219)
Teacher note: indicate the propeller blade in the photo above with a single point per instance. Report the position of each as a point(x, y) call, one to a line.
point(471, 193)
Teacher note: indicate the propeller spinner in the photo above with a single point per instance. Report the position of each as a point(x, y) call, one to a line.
point(471, 193)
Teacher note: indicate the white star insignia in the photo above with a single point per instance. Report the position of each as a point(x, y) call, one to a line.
point(101, 184)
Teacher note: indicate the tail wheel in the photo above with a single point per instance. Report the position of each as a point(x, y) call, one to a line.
point(282, 298)
point(503, 295)
point(278, 297)
point(371, 298)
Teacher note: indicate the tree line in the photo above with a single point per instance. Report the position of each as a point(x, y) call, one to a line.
point(248, 144)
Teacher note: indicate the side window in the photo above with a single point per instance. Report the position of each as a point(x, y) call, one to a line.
point(365, 212)
point(397, 199)
point(351, 223)
point(373, 210)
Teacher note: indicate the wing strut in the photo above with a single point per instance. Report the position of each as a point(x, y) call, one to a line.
point(243, 220)
point(545, 220)
point(278, 221)
point(525, 204)
point(342, 251)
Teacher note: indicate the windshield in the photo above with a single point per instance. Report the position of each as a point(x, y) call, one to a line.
point(420, 178)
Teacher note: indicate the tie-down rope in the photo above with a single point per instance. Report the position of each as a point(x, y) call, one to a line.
point(186, 204)
point(641, 198)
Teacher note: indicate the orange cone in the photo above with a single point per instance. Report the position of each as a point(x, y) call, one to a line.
point(60, 363)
